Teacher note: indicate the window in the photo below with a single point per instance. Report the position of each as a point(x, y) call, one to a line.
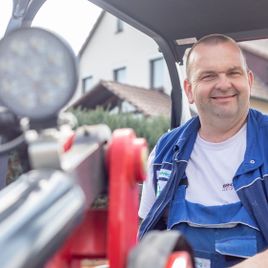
point(157, 73)
point(87, 83)
point(119, 26)
point(120, 75)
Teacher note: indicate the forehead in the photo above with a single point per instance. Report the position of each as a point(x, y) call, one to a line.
point(216, 57)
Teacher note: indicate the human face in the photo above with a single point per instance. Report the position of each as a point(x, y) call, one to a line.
point(219, 82)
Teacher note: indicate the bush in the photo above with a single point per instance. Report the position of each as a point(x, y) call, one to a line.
point(150, 128)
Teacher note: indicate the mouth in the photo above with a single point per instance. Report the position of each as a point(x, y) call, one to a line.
point(224, 98)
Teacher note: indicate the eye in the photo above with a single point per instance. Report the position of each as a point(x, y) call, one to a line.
point(235, 73)
point(208, 77)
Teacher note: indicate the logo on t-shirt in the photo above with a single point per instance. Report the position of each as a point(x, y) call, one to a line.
point(227, 187)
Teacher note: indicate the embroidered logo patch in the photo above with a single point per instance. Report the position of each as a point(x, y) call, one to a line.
point(164, 174)
point(160, 186)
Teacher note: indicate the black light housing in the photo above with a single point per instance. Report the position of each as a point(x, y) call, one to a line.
point(38, 73)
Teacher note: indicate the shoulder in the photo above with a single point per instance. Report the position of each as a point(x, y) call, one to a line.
point(167, 142)
point(181, 131)
point(258, 119)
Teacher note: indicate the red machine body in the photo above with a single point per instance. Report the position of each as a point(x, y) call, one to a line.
point(110, 233)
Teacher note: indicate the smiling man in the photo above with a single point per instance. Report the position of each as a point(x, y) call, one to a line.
point(219, 83)
point(208, 178)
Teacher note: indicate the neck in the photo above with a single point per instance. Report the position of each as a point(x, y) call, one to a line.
point(222, 129)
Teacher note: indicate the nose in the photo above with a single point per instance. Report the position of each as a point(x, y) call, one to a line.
point(223, 82)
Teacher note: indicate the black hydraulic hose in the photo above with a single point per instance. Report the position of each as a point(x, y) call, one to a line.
point(11, 145)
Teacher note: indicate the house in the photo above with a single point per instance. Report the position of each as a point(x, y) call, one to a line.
point(119, 97)
point(115, 51)
point(256, 53)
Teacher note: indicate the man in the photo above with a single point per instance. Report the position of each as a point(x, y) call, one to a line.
point(208, 178)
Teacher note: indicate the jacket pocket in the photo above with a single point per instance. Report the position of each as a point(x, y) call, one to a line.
point(239, 246)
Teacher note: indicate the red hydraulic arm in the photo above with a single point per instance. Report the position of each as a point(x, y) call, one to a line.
point(127, 158)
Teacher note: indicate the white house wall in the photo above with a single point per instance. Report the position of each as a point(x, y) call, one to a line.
point(108, 50)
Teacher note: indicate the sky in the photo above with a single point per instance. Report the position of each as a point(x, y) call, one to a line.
point(71, 19)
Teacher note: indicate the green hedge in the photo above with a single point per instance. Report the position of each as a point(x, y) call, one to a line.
point(150, 128)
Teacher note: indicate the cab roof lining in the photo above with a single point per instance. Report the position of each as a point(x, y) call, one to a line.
point(178, 19)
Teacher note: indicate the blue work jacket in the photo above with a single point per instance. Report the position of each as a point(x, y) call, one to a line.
point(250, 181)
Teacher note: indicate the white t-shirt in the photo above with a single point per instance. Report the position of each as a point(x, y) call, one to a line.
point(211, 169)
point(210, 172)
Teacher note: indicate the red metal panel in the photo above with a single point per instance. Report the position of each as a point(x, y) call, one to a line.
point(89, 240)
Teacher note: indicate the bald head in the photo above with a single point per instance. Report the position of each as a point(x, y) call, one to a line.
point(210, 40)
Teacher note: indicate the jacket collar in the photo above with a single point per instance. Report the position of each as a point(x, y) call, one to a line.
point(184, 145)
point(252, 159)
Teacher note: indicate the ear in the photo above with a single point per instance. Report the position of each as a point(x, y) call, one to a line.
point(188, 91)
point(250, 78)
